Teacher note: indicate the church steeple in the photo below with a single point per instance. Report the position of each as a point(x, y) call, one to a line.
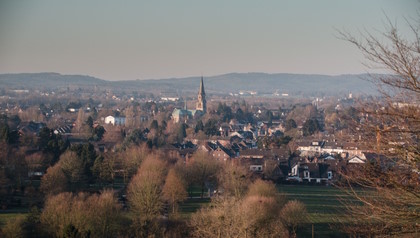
point(201, 98)
point(201, 91)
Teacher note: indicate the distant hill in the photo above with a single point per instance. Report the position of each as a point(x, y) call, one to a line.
point(47, 80)
point(294, 84)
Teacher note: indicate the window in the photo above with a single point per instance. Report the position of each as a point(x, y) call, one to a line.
point(329, 174)
point(306, 174)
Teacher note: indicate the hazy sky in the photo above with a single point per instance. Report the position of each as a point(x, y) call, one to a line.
point(157, 39)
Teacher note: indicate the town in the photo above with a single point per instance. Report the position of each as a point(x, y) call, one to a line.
point(284, 142)
point(104, 137)
point(209, 119)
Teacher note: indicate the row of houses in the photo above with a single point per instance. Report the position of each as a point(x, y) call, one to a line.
point(344, 149)
point(282, 163)
point(120, 121)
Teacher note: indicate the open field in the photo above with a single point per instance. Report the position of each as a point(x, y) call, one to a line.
point(5, 217)
point(324, 205)
point(191, 205)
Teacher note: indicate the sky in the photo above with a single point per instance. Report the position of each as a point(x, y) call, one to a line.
point(125, 40)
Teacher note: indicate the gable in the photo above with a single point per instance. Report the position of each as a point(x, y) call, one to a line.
point(356, 160)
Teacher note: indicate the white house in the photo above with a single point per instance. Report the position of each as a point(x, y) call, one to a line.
point(116, 121)
point(357, 160)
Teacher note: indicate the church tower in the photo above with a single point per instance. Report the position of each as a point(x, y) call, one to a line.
point(201, 99)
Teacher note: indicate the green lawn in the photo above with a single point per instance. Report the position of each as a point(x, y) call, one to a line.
point(5, 217)
point(191, 205)
point(324, 205)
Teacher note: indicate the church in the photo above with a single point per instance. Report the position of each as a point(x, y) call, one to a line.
point(200, 107)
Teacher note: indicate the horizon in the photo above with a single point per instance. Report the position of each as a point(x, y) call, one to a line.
point(150, 40)
point(193, 76)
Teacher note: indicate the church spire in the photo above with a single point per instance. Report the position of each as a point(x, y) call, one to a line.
point(201, 98)
point(201, 91)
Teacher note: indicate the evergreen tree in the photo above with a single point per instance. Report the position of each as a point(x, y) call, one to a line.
point(89, 122)
point(290, 124)
point(310, 127)
point(210, 128)
point(182, 133)
point(199, 126)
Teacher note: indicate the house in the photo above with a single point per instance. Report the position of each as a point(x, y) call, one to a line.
point(356, 160)
point(332, 148)
point(325, 147)
point(116, 121)
point(224, 129)
point(179, 150)
point(279, 172)
point(254, 165)
point(281, 153)
point(222, 153)
point(253, 154)
point(256, 168)
point(380, 159)
point(64, 130)
point(313, 146)
point(31, 128)
point(255, 158)
point(312, 172)
point(235, 126)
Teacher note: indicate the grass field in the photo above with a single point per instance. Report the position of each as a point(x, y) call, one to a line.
point(192, 205)
point(4, 217)
point(324, 205)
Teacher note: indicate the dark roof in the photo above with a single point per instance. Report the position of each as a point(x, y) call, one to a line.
point(379, 158)
point(228, 151)
point(31, 127)
point(316, 170)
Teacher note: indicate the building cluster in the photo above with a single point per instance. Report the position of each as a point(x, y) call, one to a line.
point(316, 160)
point(322, 165)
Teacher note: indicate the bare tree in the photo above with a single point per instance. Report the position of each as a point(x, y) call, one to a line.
point(56, 213)
point(234, 180)
point(145, 196)
point(293, 214)
point(255, 215)
point(204, 170)
point(54, 181)
point(72, 167)
point(88, 216)
point(392, 201)
point(263, 188)
point(131, 159)
point(105, 213)
point(174, 189)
